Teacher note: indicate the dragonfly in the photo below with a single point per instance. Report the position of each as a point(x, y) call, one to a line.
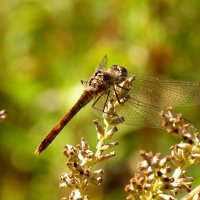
point(147, 96)
point(3, 115)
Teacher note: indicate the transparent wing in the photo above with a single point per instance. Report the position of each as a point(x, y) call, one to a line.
point(103, 63)
point(140, 114)
point(151, 95)
point(134, 112)
point(84, 83)
point(165, 93)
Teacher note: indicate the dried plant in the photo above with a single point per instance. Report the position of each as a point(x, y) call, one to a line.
point(81, 159)
point(164, 177)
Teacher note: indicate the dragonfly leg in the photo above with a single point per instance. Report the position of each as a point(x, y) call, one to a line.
point(93, 105)
point(124, 88)
point(124, 96)
point(102, 110)
point(105, 104)
point(104, 107)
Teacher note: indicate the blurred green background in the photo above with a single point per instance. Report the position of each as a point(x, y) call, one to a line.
point(47, 47)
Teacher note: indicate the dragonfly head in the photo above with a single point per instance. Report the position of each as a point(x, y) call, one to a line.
point(119, 72)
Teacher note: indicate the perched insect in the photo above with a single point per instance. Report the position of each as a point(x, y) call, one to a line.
point(146, 98)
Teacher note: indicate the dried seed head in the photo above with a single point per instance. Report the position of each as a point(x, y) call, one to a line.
point(154, 172)
point(177, 125)
point(99, 128)
point(107, 156)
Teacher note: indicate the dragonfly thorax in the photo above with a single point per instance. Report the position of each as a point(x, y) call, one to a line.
point(101, 80)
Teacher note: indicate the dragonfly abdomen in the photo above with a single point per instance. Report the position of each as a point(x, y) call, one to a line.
point(84, 99)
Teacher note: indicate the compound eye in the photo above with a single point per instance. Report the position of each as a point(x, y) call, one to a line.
point(119, 70)
point(114, 68)
point(123, 71)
